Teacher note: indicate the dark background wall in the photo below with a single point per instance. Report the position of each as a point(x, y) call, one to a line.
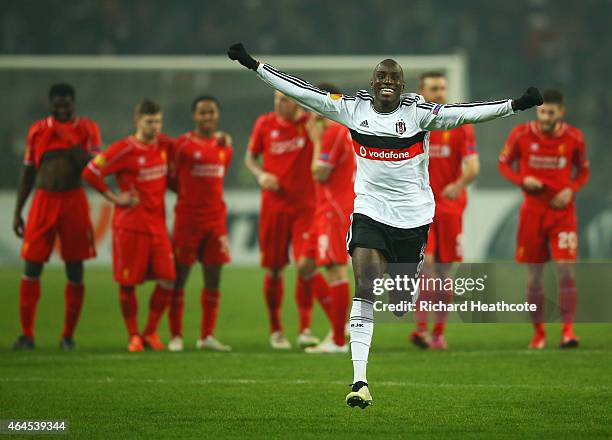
point(509, 45)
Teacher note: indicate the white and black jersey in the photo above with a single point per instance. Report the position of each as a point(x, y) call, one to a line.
point(392, 181)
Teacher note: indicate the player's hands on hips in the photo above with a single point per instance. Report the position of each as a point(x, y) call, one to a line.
point(530, 98)
point(18, 225)
point(237, 52)
point(452, 190)
point(223, 139)
point(532, 184)
point(268, 182)
point(562, 198)
point(127, 199)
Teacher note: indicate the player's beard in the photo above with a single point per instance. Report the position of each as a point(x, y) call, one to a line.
point(549, 127)
point(148, 137)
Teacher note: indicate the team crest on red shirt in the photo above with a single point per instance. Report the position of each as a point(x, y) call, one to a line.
point(99, 161)
point(400, 127)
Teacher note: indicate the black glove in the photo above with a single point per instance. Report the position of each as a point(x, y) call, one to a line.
point(237, 52)
point(530, 98)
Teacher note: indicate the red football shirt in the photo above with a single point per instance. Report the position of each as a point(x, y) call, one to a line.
point(549, 157)
point(447, 149)
point(49, 134)
point(337, 193)
point(199, 165)
point(138, 166)
point(287, 153)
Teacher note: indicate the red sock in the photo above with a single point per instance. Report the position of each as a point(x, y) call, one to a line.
point(303, 298)
point(29, 293)
point(320, 290)
point(421, 315)
point(160, 299)
point(539, 328)
point(341, 298)
point(74, 301)
point(440, 317)
point(210, 305)
point(273, 292)
point(535, 295)
point(175, 315)
point(567, 300)
point(129, 308)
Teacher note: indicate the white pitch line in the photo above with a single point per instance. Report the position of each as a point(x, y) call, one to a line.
point(111, 380)
point(72, 358)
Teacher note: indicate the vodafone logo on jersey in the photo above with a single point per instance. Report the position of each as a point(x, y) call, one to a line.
point(388, 154)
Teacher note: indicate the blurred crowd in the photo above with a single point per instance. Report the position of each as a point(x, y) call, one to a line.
point(560, 43)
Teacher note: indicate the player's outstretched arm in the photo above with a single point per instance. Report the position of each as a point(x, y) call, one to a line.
point(432, 116)
point(332, 106)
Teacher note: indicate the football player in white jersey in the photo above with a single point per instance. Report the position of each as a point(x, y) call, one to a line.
point(394, 204)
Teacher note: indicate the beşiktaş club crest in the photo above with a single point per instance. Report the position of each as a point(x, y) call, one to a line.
point(400, 127)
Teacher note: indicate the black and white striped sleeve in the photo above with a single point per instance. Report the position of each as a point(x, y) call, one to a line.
point(431, 116)
point(333, 106)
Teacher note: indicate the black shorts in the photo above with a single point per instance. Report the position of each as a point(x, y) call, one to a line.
point(396, 244)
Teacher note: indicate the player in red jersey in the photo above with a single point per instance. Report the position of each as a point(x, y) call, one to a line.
point(453, 165)
point(547, 151)
point(287, 208)
point(141, 247)
point(58, 147)
point(333, 170)
point(198, 165)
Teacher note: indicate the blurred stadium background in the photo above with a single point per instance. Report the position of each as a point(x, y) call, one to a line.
point(500, 48)
point(487, 386)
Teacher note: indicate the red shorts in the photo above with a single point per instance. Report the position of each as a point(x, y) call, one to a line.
point(445, 237)
point(58, 214)
point(327, 240)
point(207, 243)
point(545, 232)
point(277, 230)
point(140, 256)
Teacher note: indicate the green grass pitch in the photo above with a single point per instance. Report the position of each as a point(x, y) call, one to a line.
point(486, 386)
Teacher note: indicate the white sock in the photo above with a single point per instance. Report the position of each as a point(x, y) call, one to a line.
point(362, 327)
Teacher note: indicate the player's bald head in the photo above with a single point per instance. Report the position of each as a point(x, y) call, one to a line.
point(387, 84)
point(389, 65)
